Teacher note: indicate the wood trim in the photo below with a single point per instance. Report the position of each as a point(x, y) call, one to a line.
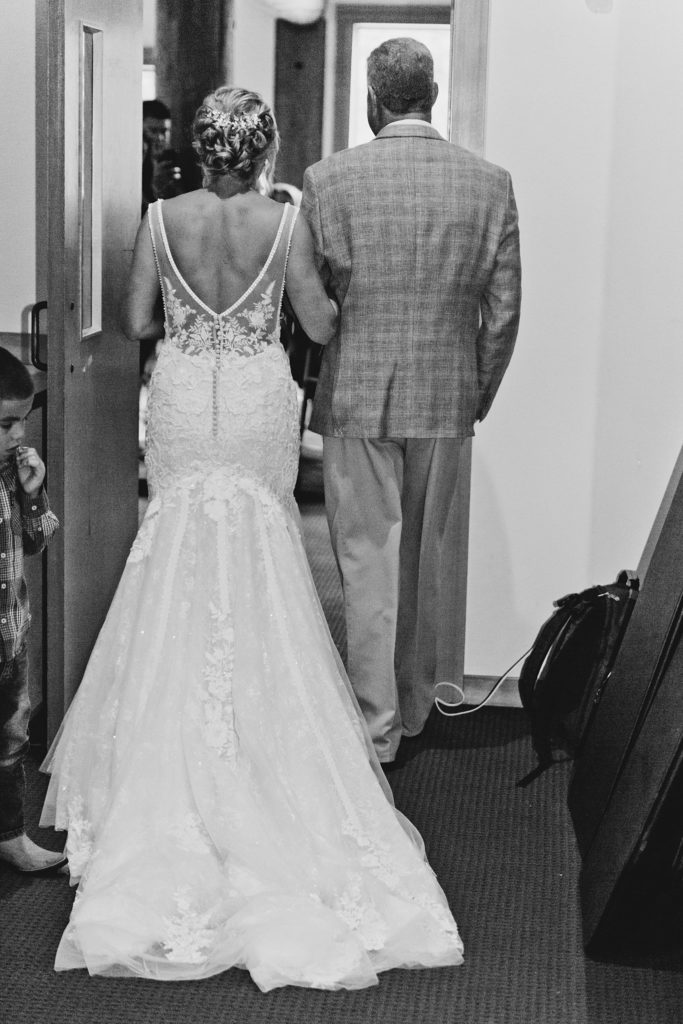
point(660, 519)
point(349, 15)
point(477, 689)
point(91, 383)
point(469, 62)
point(53, 116)
point(193, 57)
point(457, 596)
point(299, 89)
point(627, 781)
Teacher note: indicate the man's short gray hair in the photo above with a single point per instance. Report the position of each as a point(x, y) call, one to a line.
point(401, 74)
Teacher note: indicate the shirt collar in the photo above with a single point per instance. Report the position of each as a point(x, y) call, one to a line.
point(409, 120)
point(410, 128)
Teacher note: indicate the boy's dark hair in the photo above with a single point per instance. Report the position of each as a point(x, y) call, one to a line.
point(15, 380)
point(156, 108)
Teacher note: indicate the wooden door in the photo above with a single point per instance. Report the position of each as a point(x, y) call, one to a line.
point(467, 115)
point(299, 85)
point(93, 133)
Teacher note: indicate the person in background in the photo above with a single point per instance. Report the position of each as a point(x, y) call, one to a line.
point(418, 241)
point(26, 525)
point(161, 179)
point(161, 173)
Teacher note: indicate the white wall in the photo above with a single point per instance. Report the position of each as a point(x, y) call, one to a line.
point(571, 463)
point(149, 23)
point(639, 427)
point(17, 164)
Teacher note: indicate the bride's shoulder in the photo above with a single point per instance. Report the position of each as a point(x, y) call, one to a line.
point(183, 203)
point(196, 215)
point(263, 214)
point(269, 208)
point(183, 208)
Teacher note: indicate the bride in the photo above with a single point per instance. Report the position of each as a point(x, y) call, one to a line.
point(223, 802)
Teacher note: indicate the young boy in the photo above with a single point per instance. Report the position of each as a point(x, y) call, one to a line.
point(26, 525)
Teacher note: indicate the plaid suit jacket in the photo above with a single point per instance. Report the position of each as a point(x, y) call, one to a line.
point(419, 242)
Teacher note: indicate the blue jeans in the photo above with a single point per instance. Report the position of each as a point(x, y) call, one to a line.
point(15, 711)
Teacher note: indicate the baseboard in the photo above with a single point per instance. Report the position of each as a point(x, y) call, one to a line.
point(506, 696)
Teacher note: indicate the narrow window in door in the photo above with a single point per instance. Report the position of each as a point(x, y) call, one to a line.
point(90, 174)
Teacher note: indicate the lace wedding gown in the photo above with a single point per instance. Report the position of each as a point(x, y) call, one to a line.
point(223, 803)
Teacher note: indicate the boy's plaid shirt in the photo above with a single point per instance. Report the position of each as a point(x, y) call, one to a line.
point(26, 525)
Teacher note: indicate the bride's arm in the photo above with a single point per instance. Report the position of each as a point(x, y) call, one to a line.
point(316, 312)
point(143, 315)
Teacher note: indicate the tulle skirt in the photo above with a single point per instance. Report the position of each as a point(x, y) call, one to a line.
point(223, 803)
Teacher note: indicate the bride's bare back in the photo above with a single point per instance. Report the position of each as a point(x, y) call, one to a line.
point(220, 244)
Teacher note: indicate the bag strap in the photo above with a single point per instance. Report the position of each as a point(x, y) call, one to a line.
point(441, 703)
point(548, 634)
point(542, 644)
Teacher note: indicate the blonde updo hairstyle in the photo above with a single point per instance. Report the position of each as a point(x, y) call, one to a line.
point(234, 132)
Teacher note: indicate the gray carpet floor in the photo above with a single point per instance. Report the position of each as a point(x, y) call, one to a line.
point(506, 858)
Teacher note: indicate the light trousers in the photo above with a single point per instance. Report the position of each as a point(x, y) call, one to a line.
point(390, 506)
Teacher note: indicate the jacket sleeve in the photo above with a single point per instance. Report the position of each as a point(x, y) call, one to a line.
point(310, 208)
point(500, 308)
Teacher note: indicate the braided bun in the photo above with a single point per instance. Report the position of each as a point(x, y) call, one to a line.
point(234, 132)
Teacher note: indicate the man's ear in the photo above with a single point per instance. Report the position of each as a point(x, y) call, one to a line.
point(373, 109)
point(435, 92)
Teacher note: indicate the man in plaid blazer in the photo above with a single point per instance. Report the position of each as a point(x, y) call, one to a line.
point(419, 243)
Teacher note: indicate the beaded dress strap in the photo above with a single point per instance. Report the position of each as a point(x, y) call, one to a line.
point(154, 211)
point(290, 232)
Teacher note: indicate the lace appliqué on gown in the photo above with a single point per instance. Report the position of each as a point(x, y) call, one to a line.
point(187, 935)
point(245, 333)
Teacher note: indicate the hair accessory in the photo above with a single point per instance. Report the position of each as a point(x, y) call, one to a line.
point(239, 122)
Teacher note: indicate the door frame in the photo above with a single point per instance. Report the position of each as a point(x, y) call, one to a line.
point(467, 105)
point(348, 15)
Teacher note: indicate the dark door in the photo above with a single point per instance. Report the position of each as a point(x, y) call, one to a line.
point(93, 132)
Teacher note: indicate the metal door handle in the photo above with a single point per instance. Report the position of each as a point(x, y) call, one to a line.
point(35, 335)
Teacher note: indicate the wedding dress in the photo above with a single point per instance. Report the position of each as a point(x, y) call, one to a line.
point(223, 802)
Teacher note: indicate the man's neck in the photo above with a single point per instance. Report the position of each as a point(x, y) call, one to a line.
point(411, 115)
